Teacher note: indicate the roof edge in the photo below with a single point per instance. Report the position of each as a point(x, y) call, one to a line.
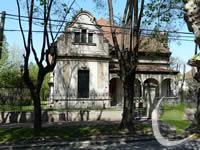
point(75, 17)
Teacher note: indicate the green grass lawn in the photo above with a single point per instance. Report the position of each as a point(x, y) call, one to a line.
point(175, 117)
point(67, 133)
point(8, 108)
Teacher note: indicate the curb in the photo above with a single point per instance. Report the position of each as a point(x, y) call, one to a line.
point(77, 143)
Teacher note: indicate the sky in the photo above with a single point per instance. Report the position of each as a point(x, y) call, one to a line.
point(182, 49)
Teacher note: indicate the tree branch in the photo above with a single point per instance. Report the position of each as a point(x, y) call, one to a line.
point(123, 24)
point(26, 45)
point(64, 19)
point(44, 34)
point(138, 28)
point(20, 24)
point(30, 24)
point(34, 53)
point(113, 29)
point(140, 15)
point(130, 24)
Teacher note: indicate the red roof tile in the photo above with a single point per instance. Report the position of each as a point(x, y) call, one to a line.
point(148, 44)
point(146, 69)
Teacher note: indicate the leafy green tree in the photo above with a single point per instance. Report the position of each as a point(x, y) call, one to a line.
point(164, 14)
point(9, 71)
point(45, 87)
point(192, 18)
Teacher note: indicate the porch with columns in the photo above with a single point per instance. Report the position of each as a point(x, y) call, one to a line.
point(149, 88)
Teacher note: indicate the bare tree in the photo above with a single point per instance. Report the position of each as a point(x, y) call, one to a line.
point(44, 7)
point(176, 63)
point(127, 53)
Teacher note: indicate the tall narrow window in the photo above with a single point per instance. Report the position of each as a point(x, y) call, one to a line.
point(90, 38)
point(77, 37)
point(83, 37)
point(83, 83)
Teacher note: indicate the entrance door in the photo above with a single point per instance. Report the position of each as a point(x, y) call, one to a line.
point(113, 92)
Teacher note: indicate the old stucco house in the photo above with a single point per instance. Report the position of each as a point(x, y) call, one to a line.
point(87, 71)
point(81, 75)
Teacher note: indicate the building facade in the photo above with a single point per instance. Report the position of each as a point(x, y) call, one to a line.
point(87, 71)
point(81, 75)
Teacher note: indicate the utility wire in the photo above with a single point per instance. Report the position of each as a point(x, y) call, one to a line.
point(54, 20)
point(35, 23)
point(40, 24)
point(142, 35)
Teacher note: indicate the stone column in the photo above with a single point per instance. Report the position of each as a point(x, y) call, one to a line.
point(142, 93)
point(51, 84)
point(151, 101)
point(160, 89)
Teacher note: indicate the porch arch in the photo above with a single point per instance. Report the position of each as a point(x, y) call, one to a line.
point(151, 91)
point(137, 88)
point(151, 83)
point(166, 87)
point(116, 92)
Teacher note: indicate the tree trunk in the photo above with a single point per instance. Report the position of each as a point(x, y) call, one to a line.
point(197, 114)
point(127, 118)
point(127, 54)
point(37, 111)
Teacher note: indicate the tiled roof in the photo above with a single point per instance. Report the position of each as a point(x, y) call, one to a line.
point(153, 69)
point(106, 29)
point(146, 69)
point(147, 44)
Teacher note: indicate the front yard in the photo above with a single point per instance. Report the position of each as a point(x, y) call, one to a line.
point(175, 117)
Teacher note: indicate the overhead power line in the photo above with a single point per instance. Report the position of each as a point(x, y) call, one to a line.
point(179, 38)
point(36, 23)
point(40, 24)
point(55, 20)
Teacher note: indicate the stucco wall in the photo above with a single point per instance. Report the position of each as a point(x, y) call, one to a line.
point(66, 75)
point(67, 47)
point(73, 57)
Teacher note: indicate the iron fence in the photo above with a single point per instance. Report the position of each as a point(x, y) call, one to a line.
point(15, 99)
point(12, 99)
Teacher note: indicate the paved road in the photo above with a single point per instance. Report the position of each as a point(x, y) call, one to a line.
point(148, 145)
point(145, 145)
point(136, 145)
